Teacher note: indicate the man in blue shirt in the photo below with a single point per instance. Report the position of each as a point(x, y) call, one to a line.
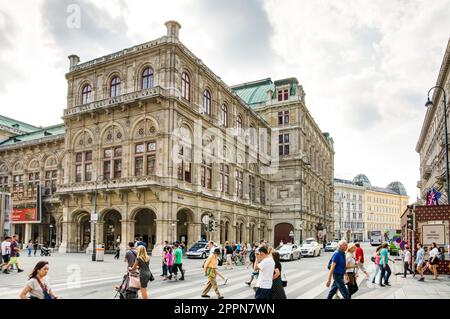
point(337, 268)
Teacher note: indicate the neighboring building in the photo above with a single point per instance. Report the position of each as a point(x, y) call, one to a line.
point(363, 208)
point(348, 210)
point(431, 143)
point(155, 141)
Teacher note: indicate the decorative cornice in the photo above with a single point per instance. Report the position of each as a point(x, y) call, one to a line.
point(32, 142)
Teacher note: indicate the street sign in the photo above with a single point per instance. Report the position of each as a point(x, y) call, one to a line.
point(94, 217)
point(205, 219)
point(320, 234)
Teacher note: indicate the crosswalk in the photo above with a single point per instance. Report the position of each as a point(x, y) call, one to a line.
point(302, 284)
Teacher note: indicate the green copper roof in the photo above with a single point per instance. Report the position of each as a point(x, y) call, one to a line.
point(41, 133)
point(17, 125)
point(256, 92)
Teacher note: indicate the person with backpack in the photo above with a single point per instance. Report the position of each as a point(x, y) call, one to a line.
point(253, 257)
point(337, 266)
point(376, 260)
point(178, 263)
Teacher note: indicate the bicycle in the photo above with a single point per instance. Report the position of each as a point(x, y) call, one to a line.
point(238, 258)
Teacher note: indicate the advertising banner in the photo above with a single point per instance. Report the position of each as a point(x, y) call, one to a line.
point(28, 213)
point(5, 213)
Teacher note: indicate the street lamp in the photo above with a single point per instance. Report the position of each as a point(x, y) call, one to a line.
point(173, 232)
point(428, 104)
point(307, 163)
point(94, 219)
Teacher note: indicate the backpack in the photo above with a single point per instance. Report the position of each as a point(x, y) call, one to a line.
point(331, 261)
point(252, 256)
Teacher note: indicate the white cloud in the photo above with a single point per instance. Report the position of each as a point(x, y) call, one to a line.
point(365, 65)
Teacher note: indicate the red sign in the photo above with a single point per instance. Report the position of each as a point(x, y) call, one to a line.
point(24, 215)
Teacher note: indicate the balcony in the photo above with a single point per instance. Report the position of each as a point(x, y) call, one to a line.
point(116, 101)
point(118, 183)
point(426, 173)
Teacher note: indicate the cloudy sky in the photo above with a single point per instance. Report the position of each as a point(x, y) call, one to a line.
point(366, 66)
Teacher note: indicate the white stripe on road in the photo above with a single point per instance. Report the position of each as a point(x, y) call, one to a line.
point(320, 288)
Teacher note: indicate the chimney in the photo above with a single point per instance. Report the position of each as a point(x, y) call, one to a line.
point(269, 97)
point(74, 60)
point(173, 28)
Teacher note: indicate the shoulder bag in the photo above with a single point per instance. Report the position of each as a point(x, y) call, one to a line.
point(45, 290)
point(284, 280)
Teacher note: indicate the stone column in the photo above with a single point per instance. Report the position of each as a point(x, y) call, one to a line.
point(27, 235)
point(161, 235)
point(127, 234)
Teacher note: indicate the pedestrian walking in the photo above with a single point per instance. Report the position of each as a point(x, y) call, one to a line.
point(228, 255)
point(406, 261)
point(142, 263)
point(351, 267)
point(337, 267)
point(6, 254)
point(384, 265)
point(210, 270)
point(130, 255)
point(168, 263)
point(37, 286)
point(376, 260)
point(420, 261)
point(178, 263)
point(359, 256)
point(434, 260)
point(164, 251)
point(30, 247)
point(15, 252)
point(117, 255)
point(35, 246)
point(265, 266)
point(252, 257)
point(277, 284)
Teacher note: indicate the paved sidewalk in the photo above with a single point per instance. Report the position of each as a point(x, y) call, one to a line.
point(407, 288)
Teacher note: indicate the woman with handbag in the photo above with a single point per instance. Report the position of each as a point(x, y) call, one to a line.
point(145, 275)
point(351, 266)
point(434, 260)
point(277, 283)
point(37, 287)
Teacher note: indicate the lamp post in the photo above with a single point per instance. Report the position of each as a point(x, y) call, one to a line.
point(94, 219)
point(428, 104)
point(307, 163)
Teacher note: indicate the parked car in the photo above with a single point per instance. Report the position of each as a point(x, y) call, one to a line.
point(289, 252)
point(198, 250)
point(310, 247)
point(331, 246)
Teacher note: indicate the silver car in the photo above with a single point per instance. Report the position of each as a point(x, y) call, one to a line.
point(289, 252)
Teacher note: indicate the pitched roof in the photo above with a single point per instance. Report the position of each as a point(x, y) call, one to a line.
point(38, 134)
point(16, 126)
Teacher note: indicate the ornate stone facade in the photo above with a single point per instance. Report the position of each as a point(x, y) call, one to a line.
point(154, 141)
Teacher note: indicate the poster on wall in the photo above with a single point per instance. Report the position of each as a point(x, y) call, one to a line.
point(30, 213)
point(434, 233)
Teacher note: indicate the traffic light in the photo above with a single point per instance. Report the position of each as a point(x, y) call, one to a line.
point(410, 218)
point(211, 225)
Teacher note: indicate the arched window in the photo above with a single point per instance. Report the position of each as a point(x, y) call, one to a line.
point(86, 94)
point(147, 78)
point(207, 102)
point(115, 87)
point(239, 125)
point(224, 115)
point(186, 86)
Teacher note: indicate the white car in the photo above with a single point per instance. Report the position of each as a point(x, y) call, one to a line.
point(289, 252)
point(198, 250)
point(331, 246)
point(310, 247)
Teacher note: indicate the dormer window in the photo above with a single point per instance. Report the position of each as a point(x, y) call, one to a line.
point(283, 95)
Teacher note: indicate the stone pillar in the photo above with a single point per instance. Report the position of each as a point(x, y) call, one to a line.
point(68, 244)
point(161, 236)
point(127, 234)
point(64, 246)
point(27, 235)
